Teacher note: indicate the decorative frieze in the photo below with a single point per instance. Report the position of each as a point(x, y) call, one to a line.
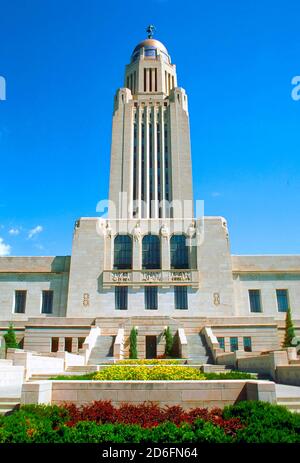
point(144, 277)
point(119, 277)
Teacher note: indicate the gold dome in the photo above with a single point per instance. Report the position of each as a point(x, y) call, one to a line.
point(150, 44)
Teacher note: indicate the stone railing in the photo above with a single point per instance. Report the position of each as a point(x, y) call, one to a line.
point(148, 277)
point(34, 364)
point(11, 379)
point(119, 345)
point(71, 360)
point(212, 342)
point(183, 345)
point(90, 342)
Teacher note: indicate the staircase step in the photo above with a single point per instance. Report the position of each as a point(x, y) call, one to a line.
point(7, 405)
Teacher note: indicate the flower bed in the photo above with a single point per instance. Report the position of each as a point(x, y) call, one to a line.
point(144, 373)
point(247, 422)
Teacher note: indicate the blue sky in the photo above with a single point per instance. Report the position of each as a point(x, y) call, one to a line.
point(63, 61)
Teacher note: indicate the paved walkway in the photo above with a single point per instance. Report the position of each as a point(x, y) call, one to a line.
point(283, 390)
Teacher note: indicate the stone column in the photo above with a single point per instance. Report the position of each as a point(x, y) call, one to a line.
point(61, 345)
point(75, 345)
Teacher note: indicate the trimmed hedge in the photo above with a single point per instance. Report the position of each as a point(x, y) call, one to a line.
point(148, 362)
point(246, 422)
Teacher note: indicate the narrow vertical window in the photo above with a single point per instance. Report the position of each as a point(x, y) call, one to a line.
point(247, 344)
point(234, 344)
point(179, 252)
point(155, 73)
point(151, 252)
point(150, 79)
point(134, 161)
point(255, 300)
point(143, 161)
point(158, 145)
point(47, 302)
point(122, 252)
point(282, 300)
point(121, 297)
point(181, 299)
point(151, 298)
point(20, 301)
point(221, 342)
point(54, 344)
point(68, 345)
point(151, 162)
point(145, 80)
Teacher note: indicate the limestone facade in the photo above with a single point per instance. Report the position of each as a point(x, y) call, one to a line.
point(150, 164)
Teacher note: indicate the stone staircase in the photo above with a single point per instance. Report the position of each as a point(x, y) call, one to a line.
point(198, 351)
point(208, 368)
point(288, 396)
point(9, 404)
point(292, 403)
point(102, 351)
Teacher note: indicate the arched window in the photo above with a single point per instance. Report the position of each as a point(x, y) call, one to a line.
point(179, 252)
point(151, 251)
point(122, 252)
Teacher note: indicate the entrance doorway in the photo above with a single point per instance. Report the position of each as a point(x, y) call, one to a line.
point(151, 347)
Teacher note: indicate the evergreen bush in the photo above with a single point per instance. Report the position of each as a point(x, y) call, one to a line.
point(133, 344)
point(10, 338)
point(169, 342)
point(289, 333)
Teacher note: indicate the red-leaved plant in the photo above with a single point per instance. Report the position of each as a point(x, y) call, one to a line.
point(148, 414)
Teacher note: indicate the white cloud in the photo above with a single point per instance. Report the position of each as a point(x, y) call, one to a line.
point(215, 194)
point(14, 231)
point(4, 248)
point(34, 231)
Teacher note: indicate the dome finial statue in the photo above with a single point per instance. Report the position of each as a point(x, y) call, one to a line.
point(150, 30)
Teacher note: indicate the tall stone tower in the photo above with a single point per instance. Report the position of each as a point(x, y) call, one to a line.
point(150, 151)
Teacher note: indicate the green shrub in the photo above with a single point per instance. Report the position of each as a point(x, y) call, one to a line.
point(289, 332)
point(262, 423)
point(10, 338)
point(133, 344)
point(229, 375)
point(148, 362)
point(169, 342)
point(209, 433)
point(265, 422)
point(87, 377)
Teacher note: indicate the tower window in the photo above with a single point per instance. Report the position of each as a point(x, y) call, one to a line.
point(122, 252)
point(121, 297)
point(151, 298)
point(151, 252)
point(282, 300)
point(179, 252)
point(20, 301)
point(181, 299)
point(255, 300)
